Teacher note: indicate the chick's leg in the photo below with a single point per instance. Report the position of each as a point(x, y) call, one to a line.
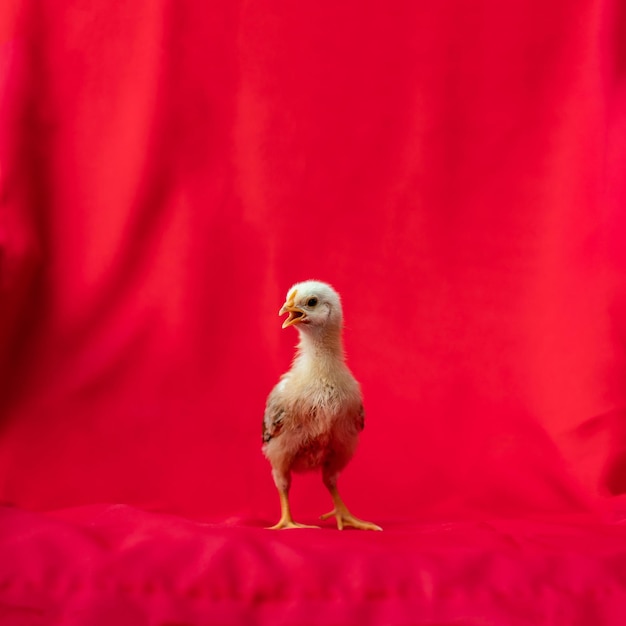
point(340, 512)
point(283, 482)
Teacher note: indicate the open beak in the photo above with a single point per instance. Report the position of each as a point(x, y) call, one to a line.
point(296, 314)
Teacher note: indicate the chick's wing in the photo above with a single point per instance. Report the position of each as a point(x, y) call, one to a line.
point(273, 417)
point(360, 418)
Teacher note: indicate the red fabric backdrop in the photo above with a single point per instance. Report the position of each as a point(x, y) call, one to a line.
point(454, 169)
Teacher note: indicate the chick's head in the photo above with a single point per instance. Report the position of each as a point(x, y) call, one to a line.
point(313, 306)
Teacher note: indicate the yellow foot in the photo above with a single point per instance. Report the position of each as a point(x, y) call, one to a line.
point(285, 524)
point(346, 519)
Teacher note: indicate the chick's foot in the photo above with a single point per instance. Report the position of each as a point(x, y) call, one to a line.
point(286, 524)
point(345, 519)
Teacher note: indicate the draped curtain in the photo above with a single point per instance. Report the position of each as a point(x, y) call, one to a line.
point(455, 169)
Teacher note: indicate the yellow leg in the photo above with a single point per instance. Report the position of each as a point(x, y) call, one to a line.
point(344, 517)
point(286, 521)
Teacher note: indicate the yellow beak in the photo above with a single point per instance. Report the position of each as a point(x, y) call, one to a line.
point(296, 314)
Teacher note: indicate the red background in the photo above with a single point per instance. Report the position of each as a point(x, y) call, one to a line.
point(454, 169)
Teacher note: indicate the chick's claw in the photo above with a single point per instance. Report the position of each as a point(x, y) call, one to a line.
point(288, 525)
point(347, 520)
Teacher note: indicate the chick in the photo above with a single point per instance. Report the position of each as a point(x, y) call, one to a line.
point(314, 414)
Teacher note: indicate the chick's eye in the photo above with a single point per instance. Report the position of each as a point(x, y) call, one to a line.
point(312, 302)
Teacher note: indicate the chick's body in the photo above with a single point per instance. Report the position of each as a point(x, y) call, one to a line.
point(318, 414)
point(315, 413)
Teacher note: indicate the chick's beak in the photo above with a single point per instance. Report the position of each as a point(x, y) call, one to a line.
point(296, 314)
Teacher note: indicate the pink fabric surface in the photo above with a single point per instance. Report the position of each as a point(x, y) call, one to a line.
point(168, 168)
point(118, 565)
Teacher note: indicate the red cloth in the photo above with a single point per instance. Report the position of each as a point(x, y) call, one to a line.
point(454, 169)
point(130, 568)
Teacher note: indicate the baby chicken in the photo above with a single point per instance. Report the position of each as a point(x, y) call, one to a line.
point(314, 414)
